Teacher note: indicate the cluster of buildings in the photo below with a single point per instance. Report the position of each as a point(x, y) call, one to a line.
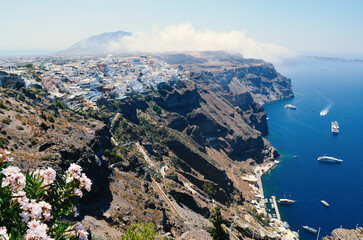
point(81, 82)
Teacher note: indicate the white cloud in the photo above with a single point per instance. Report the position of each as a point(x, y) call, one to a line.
point(185, 37)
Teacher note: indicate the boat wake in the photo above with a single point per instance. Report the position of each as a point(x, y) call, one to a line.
point(325, 111)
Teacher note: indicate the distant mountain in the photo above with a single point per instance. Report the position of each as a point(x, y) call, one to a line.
point(94, 45)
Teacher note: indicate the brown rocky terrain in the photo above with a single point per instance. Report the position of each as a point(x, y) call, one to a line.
point(169, 156)
point(343, 234)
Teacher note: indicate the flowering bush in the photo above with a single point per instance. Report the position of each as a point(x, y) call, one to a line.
point(39, 205)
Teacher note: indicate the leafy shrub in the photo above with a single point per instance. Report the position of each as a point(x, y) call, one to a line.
point(140, 231)
point(51, 119)
point(34, 140)
point(3, 106)
point(19, 127)
point(6, 120)
point(217, 232)
point(157, 109)
point(208, 188)
point(39, 204)
point(43, 126)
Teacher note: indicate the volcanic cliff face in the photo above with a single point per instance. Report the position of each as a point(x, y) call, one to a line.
point(176, 152)
point(195, 138)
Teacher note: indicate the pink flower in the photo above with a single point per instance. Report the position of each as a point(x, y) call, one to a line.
point(35, 211)
point(13, 178)
point(78, 192)
point(81, 231)
point(48, 175)
point(37, 231)
point(85, 182)
point(21, 198)
point(82, 235)
point(3, 234)
point(74, 170)
point(75, 211)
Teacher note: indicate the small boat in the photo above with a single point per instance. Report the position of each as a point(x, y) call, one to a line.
point(324, 112)
point(310, 229)
point(266, 200)
point(286, 201)
point(286, 225)
point(270, 200)
point(329, 159)
point(295, 156)
point(273, 206)
point(296, 234)
point(325, 203)
point(290, 106)
point(335, 128)
point(274, 215)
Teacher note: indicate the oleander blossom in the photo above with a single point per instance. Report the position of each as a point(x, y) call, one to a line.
point(75, 211)
point(74, 172)
point(81, 231)
point(4, 157)
point(37, 231)
point(13, 178)
point(3, 234)
point(85, 182)
point(48, 175)
point(35, 211)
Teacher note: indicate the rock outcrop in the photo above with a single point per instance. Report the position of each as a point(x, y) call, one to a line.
point(345, 234)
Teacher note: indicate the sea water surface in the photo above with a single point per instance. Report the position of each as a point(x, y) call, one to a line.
point(318, 85)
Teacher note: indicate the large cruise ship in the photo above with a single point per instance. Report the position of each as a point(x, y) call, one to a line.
point(329, 159)
point(335, 127)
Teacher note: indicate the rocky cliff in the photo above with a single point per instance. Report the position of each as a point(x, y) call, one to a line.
point(168, 156)
point(341, 233)
point(191, 141)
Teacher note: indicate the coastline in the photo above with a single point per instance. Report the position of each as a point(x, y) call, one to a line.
point(276, 223)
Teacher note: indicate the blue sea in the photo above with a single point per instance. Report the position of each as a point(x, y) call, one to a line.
point(317, 85)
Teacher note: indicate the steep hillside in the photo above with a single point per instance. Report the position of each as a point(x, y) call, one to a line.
point(191, 141)
point(169, 156)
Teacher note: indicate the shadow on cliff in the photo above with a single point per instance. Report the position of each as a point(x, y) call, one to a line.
point(99, 199)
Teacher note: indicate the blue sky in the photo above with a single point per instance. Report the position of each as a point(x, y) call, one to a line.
point(304, 27)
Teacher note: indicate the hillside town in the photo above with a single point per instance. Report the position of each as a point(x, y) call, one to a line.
point(81, 82)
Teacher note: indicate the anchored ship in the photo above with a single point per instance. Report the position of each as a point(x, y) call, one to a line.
point(310, 229)
point(329, 159)
point(325, 203)
point(290, 106)
point(335, 127)
point(286, 201)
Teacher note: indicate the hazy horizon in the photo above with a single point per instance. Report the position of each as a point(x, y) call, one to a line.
point(268, 30)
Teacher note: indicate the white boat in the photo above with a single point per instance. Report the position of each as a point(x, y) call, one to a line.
point(325, 203)
point(335, 127)
point(324, 112)
point(329, 159)
point(286, 201)
point(310, 229)
point(290, 106)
